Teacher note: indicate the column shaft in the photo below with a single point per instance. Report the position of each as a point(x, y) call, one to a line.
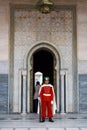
point(24, 92)
point(62, 73)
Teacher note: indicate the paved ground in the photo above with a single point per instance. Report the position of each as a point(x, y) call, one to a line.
point(31, 122)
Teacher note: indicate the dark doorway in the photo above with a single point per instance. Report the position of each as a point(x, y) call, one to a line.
point(43, 62)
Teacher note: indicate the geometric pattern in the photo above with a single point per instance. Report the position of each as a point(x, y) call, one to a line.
point(30, 27)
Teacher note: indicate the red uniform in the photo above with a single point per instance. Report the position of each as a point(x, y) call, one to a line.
point(46, 94)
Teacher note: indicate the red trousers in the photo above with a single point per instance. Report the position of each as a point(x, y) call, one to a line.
point(46, 109)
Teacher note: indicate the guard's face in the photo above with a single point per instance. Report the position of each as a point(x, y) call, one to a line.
point(46, 81)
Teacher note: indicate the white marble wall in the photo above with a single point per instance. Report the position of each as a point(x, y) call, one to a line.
point(4, 37)
point(5, 33)
point(82, 35)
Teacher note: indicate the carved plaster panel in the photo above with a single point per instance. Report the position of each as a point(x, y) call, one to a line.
point(31, 26)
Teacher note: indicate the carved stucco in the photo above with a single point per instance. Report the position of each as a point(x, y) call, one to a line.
point(31, 29)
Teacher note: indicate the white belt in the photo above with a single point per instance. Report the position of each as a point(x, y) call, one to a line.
point(46, 94)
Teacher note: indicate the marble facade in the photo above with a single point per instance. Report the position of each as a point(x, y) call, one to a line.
point(25, 30)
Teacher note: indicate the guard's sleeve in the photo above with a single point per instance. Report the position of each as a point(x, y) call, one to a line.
point(52, 93)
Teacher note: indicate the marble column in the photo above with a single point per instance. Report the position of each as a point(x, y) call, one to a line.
point(24, 74)
point(20, 89)
point(62, 74)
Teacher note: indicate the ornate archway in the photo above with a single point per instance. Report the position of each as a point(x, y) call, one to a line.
point(29, 66)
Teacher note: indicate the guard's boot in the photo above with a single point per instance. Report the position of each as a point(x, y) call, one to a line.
point(50, 120)
point(43, 120)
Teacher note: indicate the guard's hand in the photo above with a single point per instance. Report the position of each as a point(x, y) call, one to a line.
point(52, 102)
point(39, 99)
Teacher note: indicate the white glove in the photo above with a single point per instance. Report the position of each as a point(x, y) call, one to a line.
point(52, 102)
point(39, 99)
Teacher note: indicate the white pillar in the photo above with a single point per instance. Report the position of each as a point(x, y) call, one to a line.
point(19, 87)
point(24, 74)
point(66, 78)
point(62, 73)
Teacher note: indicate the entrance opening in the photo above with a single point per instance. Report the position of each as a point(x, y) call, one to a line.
point(43, 61)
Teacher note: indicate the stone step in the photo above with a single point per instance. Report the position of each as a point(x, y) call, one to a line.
point(43, 128)
point(31, 122)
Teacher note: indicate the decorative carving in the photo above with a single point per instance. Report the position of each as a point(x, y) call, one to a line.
point(45, 6)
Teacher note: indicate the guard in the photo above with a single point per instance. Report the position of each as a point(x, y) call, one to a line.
point(46, 97)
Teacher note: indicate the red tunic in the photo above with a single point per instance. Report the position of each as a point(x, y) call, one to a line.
point(46, 92)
